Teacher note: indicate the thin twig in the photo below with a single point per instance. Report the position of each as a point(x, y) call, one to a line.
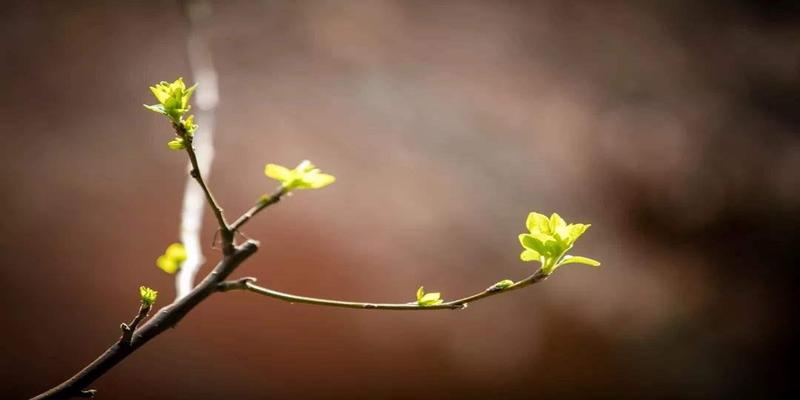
point(128, 329)
point(248, 284)
point(262, 204)
point(226, 233)
point(195, 173)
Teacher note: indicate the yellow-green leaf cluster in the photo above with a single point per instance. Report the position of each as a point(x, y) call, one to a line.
point(147, 295)
point(428, 299)
point(549, 239)
point(173, 98)
point(173, 102)
point(304, 176)
point(172, 259)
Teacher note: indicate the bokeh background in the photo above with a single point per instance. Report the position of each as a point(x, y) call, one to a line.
point(672, 126)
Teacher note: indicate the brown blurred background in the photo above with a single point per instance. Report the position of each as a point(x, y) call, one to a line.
point(672, 127)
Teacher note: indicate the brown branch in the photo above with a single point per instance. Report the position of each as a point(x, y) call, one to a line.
point(248, 284)
point(225, 231)
point(166, 318)
point(128, 329)
point(265, 202)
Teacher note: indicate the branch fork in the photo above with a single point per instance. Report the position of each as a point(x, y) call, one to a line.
point(129, 329)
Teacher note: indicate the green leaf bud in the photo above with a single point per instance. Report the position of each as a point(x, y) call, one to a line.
point(176, 144)
point(147, 295)
point(428, 299)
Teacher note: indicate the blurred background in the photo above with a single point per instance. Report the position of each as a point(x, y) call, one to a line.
point(672, 127)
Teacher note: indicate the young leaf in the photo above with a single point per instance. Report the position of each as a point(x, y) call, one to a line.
point(549, 238)
point(304, 176)
point(170, 262)
point(176, 144)
point(529, 255)
point(537, 221)
point(531, 243)
point(428, 299)
point(177, 252)
point(173, 99)
point(318, 180)
point(579, 260)
point(576, 230)
point(156, 108)
point(167, 264)
point(556, 222)
point(505, 283)
point(277, 172)
point(148, 296)
point(189, 126)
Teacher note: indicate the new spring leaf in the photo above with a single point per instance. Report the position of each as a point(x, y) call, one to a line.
point(548, 241)
point(173, 98)
point(172, 259)
point(304, 176)
point(505, 283)
point(428, 299)
point(147, 295)
point(173, 102)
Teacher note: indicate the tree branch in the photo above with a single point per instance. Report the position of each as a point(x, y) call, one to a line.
point(128, 329)
point(263, 203)
point(225, 231)
point(248, 284)
point(166, 318)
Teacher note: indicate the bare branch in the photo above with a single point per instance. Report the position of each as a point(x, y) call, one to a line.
point(262, 204)
point(248, 284)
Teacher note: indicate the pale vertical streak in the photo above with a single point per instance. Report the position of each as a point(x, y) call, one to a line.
point(206, 98)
